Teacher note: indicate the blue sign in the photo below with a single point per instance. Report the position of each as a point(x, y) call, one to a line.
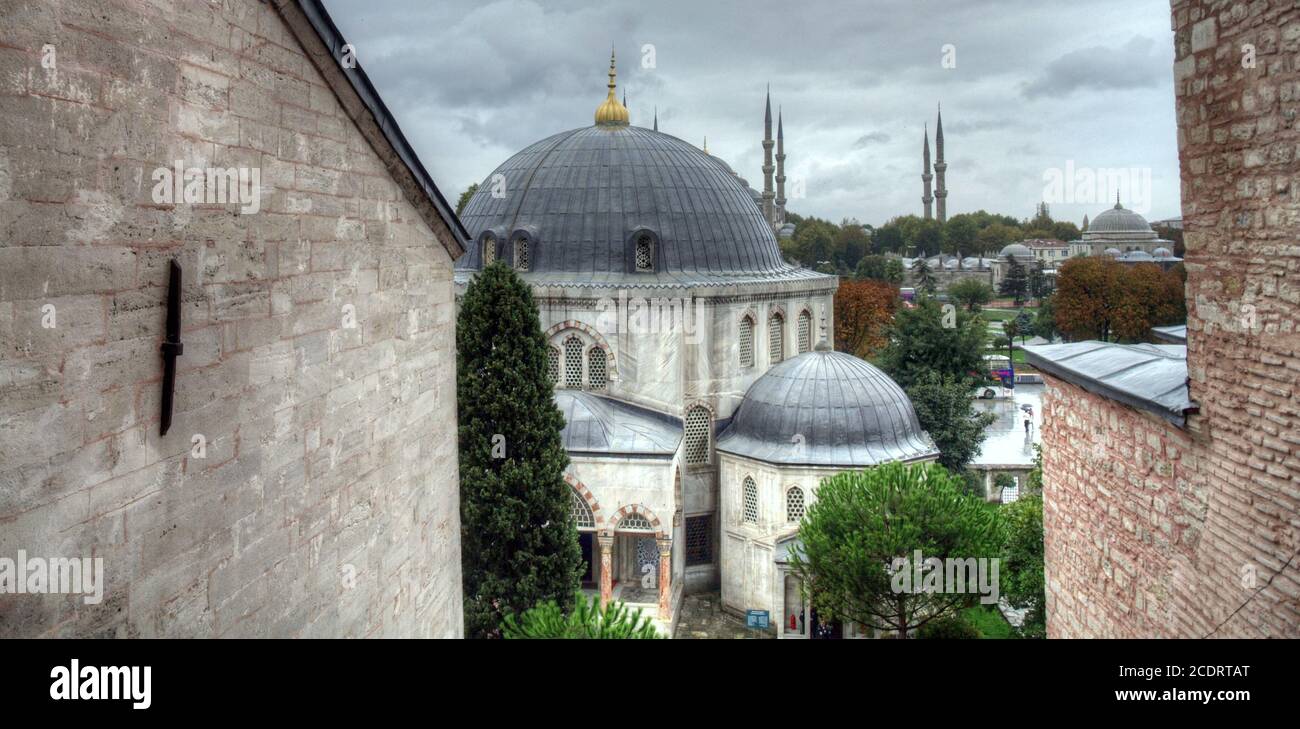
point(756, 619)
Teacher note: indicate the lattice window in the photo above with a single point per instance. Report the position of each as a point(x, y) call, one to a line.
point(776, 337)
point(699, 540)
point(573, 363)
point(582, 515)
point(489, 250)
point(553, 364)
point(635, 522)
point(597, 362)
point(697, 435)
point(645, 261)
point(1011, 493)
point(805, 332)
point(794, 505)
point(521, 254)
point(750, 506)
point(746, 341)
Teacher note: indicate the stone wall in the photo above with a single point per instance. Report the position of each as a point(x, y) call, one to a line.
point(323, 501)
point(1153, 530)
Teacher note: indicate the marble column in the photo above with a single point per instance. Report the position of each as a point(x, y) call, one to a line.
point(665, 577)
point(606, 542)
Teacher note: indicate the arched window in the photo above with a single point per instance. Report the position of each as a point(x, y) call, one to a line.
point(521, 254)
point(596, 368)
point(582, 515)
point(489, 250)
point(697, 435)
point(794, 506)
point(750, 507)
point(553, 364)
point(573, 363)
point(635, 522)
point(776, 336)
point(747, 341)
point(645, 254)
point(805, 331)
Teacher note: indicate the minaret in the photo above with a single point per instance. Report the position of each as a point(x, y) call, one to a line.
point(656, 118)
point(1085, 223)
point(767, 159)
point(941, 194)
point(926, 197)
point(780, 167)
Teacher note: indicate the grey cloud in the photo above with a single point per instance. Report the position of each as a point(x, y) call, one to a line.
point(1133, 65)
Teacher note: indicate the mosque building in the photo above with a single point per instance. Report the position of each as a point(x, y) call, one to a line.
point(684, 353)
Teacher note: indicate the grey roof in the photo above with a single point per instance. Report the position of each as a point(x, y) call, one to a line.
point(847, 412)
point(1119, 220)
point(1151, 377)
point(329, 35)
point(583, 193)
point(601, 425)
point(1174, 335)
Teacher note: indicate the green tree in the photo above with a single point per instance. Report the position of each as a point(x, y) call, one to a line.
point(464, 198)
point(1040, 284)
point(856, 538)
point(930, 337)
point(519, 545)
point(971, 293)
point(955, 627)
point(1045, 320)
point(1021, 572)
point(1024, 323)
point(587, 620)
point(925, 280)
point(960, 234)
point(996, 235)
point(1016, 282)
point(880, 268)
point(946, 410)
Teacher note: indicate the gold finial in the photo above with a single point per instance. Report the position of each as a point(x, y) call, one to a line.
point(611, 111)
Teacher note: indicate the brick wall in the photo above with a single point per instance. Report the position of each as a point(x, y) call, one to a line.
point(1156, 531)
point(326, 501)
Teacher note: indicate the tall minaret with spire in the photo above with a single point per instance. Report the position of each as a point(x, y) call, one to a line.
point(926, 197)
point(940, 194)
point(780, 168)
point(767, 160)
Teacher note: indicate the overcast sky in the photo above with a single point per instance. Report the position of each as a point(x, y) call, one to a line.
point(1036, 86)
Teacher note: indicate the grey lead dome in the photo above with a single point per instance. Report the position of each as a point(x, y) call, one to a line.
point(844, 411)
point(584, 193)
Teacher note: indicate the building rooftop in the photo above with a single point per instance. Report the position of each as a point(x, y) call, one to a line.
point(599, 425)
point(1173, 335)
point(1151, 377)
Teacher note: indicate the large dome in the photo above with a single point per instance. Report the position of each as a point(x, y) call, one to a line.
point(583, 197)
point(828, 409)
point(1119, 223)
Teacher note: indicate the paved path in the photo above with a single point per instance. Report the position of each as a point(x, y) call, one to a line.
point(702, 617)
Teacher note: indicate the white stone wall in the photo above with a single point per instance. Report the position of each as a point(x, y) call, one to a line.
point(324, 500)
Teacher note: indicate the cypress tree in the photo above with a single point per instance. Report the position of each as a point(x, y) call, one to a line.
point(519, 544)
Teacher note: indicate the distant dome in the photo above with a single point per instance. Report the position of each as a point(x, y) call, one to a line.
point(1162, 253)
point(1115, 252)
point(844, 411)
point(1119, 220)
point(1137, 256)
point(1019, 251)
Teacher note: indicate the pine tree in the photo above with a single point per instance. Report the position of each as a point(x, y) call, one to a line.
point(1016, 282)
point(519, 544)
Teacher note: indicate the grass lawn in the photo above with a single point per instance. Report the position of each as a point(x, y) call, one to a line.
point(1017, 355)
point(988, 620)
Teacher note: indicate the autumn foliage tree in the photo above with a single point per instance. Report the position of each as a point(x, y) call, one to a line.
point(863, 311)
point(1099, 298)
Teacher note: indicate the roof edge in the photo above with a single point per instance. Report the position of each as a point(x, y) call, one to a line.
point(359, 97)
point(1043, 364)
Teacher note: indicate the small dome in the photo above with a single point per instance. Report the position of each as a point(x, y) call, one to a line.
point(1113, 252)
point(1162, 253)
point(1138, 256)
point(826, 408)
point(1019, 251)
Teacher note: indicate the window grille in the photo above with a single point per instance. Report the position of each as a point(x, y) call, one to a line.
point(553, 364)
point(697, 435)
point(489, 250)
point(644, 255)
point(805, 332)
point(582, 515)
point(635, 523)
point(794, 505)
point(596, 368)
point(746, 342)
point(699, 540)
point(750, 511)
point(521, 254)
point(573, 363)
point(776, 337)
